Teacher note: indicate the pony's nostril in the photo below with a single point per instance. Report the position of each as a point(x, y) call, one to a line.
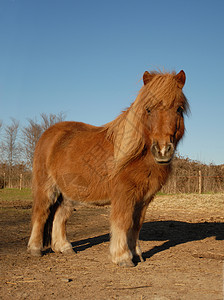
point(154, 149)
point(168, 148)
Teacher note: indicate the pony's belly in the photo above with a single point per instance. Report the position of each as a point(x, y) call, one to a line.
point(85, 194)
point(100, 202)
point(75, 200)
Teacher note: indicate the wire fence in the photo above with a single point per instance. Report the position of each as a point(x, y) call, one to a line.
point(196, 183)
point(18, 181)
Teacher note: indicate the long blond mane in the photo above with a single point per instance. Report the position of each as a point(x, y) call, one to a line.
point(126, 131)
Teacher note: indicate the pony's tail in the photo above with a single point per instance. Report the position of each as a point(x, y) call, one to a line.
point(49, 223)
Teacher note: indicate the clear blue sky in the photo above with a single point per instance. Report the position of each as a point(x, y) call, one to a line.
point(86, 58)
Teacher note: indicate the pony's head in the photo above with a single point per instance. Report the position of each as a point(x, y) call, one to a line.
point(165, 105)
point(154, 121)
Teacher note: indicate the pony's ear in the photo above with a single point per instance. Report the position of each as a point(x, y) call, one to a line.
point(180, 78)
point(147, 77)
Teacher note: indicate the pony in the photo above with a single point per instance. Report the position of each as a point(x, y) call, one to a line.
point(123, 163)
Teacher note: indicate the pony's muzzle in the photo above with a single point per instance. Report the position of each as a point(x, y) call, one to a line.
point(162, 154)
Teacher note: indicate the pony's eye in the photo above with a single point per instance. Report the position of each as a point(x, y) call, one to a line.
point(148, 110)
point(180, 110)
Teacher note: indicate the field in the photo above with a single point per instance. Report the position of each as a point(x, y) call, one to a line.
point(182, 241)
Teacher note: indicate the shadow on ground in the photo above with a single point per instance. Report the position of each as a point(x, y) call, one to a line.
point(173, 233)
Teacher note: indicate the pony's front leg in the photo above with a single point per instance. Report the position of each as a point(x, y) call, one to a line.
point(121, 226)
point(134, 245)
point(119, 250)
point(133, 237)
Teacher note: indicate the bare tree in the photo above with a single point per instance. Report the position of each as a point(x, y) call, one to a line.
point(51, 119)
point(1, 152)
point(33, 131)
point(31, 135)
point(11, 148)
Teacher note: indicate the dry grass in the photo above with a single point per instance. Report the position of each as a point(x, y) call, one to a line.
point(178, 201)
point(201, 208)
point(190, 201)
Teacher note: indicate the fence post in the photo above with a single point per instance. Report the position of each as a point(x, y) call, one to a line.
point(4, 184)
point(20, 181)
point(199, 182)
point(175, 182)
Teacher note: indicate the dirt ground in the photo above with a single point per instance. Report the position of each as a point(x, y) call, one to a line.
point(182, 241)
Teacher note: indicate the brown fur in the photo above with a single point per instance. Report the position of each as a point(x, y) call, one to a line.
point(121, 163)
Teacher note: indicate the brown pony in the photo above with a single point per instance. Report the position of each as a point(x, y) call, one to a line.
point(124, 162)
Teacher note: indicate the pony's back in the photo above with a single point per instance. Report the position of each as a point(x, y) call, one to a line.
point(68, 160)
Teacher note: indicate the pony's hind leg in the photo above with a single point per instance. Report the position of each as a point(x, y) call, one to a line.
point(40, 214)
point(59, 242)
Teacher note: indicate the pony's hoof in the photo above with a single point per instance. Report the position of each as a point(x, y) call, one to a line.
point(126, 264)
point(68, 251)
point(35, 252)
point(138, 259)
point(141, 259)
